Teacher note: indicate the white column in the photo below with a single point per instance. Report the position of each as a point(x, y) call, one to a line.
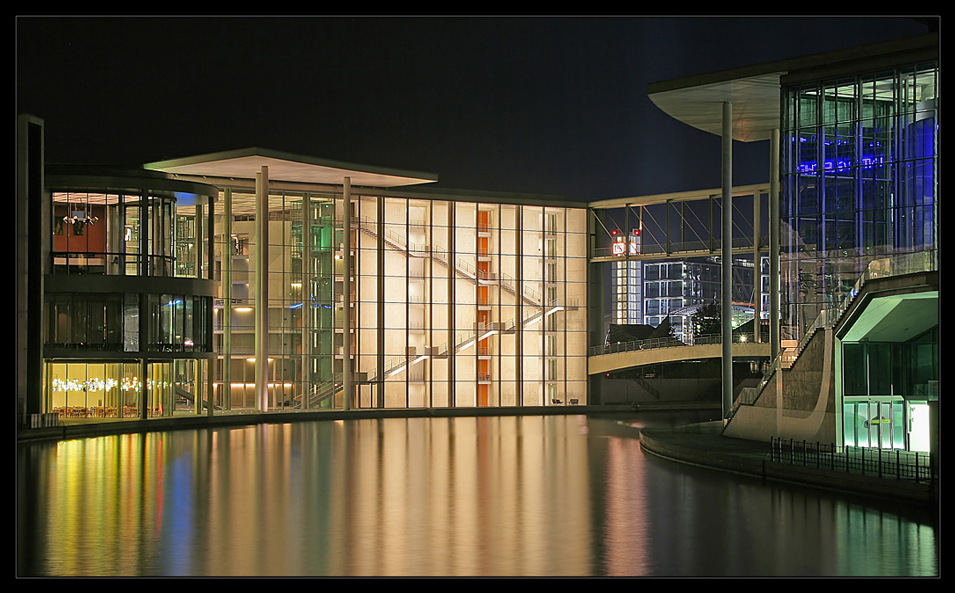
point(774, 245)
point(227, 300)
point(346, 291)
point(757, 276)
point(727, 258)
point(262, 290)
point(308, 315)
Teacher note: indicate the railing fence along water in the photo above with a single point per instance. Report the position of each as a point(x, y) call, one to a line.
point(897, 464)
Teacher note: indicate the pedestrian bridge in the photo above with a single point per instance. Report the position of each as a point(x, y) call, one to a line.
point(615, 357)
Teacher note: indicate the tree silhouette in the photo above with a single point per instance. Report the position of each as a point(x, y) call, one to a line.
point(707, 320)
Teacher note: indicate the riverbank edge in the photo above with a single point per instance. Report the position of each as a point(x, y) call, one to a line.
point(77, 429)
point(695, 444)
point(703, 445)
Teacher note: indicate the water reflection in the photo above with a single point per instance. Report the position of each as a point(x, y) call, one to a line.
point(554, 495)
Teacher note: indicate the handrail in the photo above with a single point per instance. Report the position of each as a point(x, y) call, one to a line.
point(884, 267)
point(440, 254)
point(665, 342)
point(114, 263)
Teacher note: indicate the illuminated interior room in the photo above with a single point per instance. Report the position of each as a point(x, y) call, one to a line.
point(453, 299)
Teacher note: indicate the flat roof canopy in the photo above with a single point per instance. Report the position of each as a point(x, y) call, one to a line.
point(755, 102)
point(755, 90)
point(245, 163)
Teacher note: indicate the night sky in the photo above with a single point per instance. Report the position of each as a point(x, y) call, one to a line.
point(538, 105)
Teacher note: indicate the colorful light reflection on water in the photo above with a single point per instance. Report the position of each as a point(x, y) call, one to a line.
point(553, 495)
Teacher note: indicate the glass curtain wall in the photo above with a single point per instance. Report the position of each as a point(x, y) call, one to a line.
point(301, 307)
point(125, 234)
point(628, 292)
point(670, 288)
point(464, 304)
point(95, 341)
point(454, 304)
point(859, 181)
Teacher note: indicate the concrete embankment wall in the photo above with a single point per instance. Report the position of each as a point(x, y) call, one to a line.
point(702, 445)
point(807, 409)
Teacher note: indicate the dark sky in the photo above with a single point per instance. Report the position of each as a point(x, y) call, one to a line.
point(537, 105)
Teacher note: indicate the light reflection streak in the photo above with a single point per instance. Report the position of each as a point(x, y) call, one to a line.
point(553, 495)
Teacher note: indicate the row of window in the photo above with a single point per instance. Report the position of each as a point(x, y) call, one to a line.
point(128, 322)
point(125, 235)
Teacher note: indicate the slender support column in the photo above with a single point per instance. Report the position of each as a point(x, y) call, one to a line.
point(726, 303)
point(380, 229)
point(144, 402)
point(308, 311)
point(626, 273)
point(774, 245)
point(757, 269)
point(262, 290)
point(32, 221)
point(227, 260)
point(519, 289)
point(346, 296)
point(209, 274)
point(208, 366)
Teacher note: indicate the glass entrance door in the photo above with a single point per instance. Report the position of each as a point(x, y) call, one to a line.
point(876, 423)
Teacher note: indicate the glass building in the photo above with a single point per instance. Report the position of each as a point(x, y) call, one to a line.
point(237, 281)
point(860, 179)
point(856, 134)
point(443, 299)
point(128, 299)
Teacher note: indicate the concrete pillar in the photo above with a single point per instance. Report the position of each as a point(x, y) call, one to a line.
point(227, 300)
point(757, 284)
point(33, 216)
point(726, 299)
point(262, 290)
point(208, 366)
point(346, 296)
point(774, 245)
point(308, 311)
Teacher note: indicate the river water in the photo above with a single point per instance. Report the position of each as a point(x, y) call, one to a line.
point(490, 496)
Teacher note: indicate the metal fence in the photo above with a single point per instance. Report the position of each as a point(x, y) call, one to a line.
point(665, 342)
point(895, 464)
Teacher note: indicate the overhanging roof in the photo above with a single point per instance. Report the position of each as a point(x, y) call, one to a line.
point(245, 163)
point(755, 90)
point(896, 318)
point(755, 102)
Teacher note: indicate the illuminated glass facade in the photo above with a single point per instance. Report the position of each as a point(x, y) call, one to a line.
point(859, 182)
point(454, 302)
point(628, 292)
point(128, 295)
point(860, 158)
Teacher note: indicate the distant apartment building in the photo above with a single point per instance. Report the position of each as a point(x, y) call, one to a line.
point(649, 292)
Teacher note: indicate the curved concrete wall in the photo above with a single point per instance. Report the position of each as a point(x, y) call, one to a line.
point(806, 410)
